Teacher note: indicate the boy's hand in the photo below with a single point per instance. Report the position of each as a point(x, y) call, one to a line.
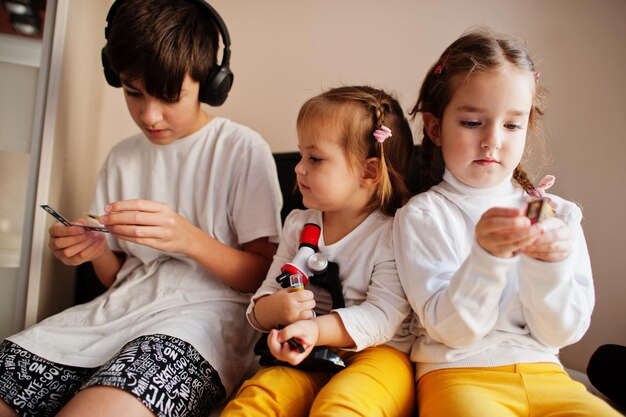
point(554, 244)
point(75, 245)
point(305, 332)
point(505, 231)
point(284, 307)
point(148, 223)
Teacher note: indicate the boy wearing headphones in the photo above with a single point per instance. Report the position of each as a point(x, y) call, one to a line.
point(192, 206)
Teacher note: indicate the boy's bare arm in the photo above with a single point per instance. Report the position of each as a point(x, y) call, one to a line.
point(107, 266)
point(74, 245)
point(243, 269)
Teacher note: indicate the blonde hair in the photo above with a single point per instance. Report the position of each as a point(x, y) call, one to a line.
point(354, 113)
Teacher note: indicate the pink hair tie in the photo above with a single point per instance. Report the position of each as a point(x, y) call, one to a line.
point(540, 191)
point(439, 69)
point(545, 183)
point(382, 134)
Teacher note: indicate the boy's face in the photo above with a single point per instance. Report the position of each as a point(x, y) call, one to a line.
point(161, 121)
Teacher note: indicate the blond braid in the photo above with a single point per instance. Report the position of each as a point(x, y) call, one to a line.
point(521, 177)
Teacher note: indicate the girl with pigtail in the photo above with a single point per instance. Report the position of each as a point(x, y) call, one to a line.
point(356, 145)
point(495, 295)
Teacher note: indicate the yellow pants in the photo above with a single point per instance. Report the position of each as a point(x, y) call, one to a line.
point(535, 389)
point(377, 381)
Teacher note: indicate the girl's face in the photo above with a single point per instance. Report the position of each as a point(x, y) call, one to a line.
point(483, 129)
point(161, 121)
point(325, 178)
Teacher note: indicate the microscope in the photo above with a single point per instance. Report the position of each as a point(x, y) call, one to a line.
point(308, 266)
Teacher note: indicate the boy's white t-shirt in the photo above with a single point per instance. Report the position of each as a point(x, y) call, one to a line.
point(223, 180)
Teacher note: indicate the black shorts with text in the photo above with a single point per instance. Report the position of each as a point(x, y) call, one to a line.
point(166, 374)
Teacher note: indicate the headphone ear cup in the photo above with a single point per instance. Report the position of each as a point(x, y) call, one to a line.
point(111, 76)
point(217, 86)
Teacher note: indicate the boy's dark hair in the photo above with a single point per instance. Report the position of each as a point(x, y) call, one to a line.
point(478, 50)
point(161, 41)
point(354, 113)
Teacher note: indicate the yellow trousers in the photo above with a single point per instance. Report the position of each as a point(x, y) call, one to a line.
point(534, 389)
point(378, 381)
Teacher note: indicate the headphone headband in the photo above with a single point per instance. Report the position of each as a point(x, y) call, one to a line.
point(214, 89)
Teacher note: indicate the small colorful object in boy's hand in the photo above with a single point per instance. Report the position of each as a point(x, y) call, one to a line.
point(66, 222)
point(538, 210)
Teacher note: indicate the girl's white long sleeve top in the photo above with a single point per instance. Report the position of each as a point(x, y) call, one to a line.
point(472, 309)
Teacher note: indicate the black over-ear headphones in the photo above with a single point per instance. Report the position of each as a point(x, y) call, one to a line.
point(214, 89)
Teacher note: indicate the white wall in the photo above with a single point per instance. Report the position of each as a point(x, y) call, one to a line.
point(19, 66)
point(17, 104)
point(285, 51)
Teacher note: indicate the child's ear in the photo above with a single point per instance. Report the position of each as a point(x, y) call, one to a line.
point(432, 127)
point(371, 171)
